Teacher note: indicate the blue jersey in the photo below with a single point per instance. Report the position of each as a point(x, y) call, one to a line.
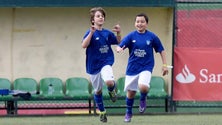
point(99, 52)
point(141, 56)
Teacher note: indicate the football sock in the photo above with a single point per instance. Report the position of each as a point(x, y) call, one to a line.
point(99, 102)
point(129, 105)
point(143, 96)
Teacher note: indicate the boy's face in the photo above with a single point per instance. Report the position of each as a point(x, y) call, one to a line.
point(141, 24)
point(99, 18)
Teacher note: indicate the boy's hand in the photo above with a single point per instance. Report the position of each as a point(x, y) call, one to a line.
point(164, 70)
point(92, 28)
point(119, 49)
point(116, 28)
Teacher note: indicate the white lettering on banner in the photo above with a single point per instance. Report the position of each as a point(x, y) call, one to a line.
point(211, 78)
point(187, 77)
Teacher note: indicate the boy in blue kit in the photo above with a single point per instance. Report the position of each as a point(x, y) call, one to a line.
point(140, 43)
point(100, 57)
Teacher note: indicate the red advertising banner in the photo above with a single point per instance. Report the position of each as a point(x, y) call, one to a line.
point(197, 74)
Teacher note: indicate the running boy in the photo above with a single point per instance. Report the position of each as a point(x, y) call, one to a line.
point(100, 57)
point(140, 43)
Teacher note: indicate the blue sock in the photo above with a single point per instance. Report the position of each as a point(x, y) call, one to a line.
point(129, 105)
point(99, 102)
point(143, 96)
point(111, 88)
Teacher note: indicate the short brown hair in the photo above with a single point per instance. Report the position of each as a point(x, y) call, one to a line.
point(94, 10)
point(143, 15)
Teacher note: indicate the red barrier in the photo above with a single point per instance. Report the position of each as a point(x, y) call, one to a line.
point(197, 74)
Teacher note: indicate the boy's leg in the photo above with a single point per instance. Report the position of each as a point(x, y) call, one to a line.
point(112, 92)
point(131, 86)
point(97, 84)
point(144, 84)
point(99, 102)
point(142, 107)
point(107, 75)
point(129, 107)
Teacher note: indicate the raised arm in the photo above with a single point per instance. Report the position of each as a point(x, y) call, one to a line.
point(117, 29)
point(86, 41)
